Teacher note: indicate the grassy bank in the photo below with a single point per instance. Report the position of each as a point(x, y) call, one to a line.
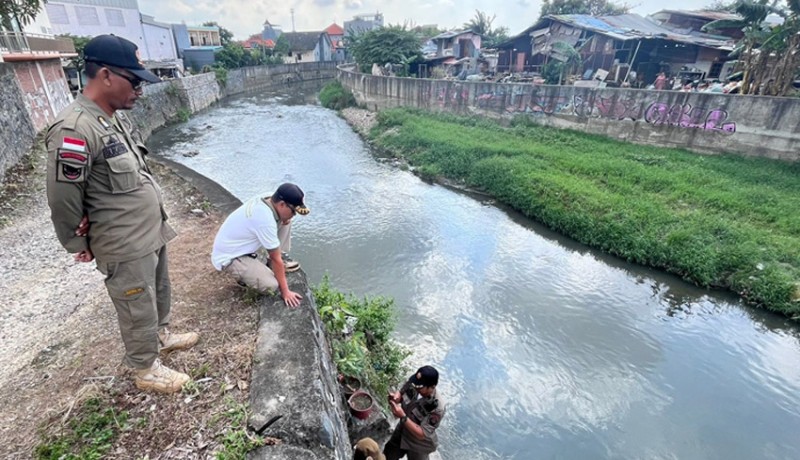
point(720, 221)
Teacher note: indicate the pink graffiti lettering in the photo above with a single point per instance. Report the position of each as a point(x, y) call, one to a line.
point(685, 116)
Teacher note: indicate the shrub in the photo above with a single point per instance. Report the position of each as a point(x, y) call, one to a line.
point(336, 97)
point(359, 331)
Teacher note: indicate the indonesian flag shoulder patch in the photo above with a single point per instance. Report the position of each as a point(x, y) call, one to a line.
point(71, 143)
point(72, 161)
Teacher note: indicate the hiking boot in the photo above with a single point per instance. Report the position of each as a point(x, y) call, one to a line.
point(289, 264)
point(160, 378)
point(170, 341)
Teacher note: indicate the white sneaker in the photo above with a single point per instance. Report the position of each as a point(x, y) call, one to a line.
point(170, 341)
point(160, 378)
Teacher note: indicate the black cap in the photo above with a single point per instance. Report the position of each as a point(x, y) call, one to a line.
point(426, 376)
point(117, 52)
point(292, 195)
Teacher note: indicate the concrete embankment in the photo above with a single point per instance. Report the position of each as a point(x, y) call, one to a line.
point(702, 122)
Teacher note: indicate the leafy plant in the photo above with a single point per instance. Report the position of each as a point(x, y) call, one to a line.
point(359, 331)
point(183, 114)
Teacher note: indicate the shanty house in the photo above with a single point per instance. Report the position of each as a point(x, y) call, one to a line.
point(618, 44)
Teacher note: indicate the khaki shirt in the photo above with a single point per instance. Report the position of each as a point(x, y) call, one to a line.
point(96, 166)
point(425, 412)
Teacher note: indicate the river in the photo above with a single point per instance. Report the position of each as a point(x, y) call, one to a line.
point(546, 348)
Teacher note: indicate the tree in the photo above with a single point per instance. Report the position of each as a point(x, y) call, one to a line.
point(591, 7)
point(20, 11)
point(720, 6)
point(80, 44)
point(225, 35)
point(385, 45)
point(282, 46)
point(481, 24)
point(760, 42)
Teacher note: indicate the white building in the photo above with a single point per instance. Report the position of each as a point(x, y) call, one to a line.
point(119, 17)
point(159, 43)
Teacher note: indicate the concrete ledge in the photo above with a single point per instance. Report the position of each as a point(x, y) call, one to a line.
point(294, 377)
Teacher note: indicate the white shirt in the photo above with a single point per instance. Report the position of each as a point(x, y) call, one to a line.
point(245, 231)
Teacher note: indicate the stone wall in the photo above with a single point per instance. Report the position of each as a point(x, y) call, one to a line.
point(702, 122)
point(301, 76)
point(199, 91)
point(16, 128)
point(159, 106)
point(45, 88)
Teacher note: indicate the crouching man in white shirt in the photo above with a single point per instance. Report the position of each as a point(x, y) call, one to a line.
point(261, 222)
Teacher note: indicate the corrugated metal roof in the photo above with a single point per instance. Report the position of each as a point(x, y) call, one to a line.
point(710, 15)
point(634, 27)
point(451, 34)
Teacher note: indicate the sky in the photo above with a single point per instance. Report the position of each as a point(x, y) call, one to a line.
point(246, 17)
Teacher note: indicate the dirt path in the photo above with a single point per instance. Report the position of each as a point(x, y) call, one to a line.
point(59, 335)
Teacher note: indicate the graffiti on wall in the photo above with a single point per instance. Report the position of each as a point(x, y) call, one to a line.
point(686, 116)
point(536, 102)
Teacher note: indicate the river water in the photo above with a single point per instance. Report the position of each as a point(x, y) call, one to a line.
point(546, 349)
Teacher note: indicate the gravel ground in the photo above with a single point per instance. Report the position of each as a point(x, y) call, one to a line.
point(361, 120)
point(59, 336)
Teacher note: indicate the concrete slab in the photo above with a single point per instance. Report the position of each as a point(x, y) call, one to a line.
point(294, 378)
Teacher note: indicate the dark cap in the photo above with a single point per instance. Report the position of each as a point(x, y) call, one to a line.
point(426, 376)
point(117, 52)
point(292, 195)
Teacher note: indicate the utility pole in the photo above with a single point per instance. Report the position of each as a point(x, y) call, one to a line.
point(292, 10)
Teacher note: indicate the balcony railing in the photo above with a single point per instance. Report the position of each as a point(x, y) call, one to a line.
point(25, 43)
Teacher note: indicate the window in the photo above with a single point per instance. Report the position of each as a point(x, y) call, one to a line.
point(115, 18)
point(57, 13)
point(87, 15)
point(716, 69)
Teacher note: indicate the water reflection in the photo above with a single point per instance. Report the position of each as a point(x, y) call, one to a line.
point(547, 348)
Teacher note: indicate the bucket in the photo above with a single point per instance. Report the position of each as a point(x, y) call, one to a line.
point(361, 404)
point(349, 385)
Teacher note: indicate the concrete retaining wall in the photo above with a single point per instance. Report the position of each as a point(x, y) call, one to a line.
point(165, 102)
point(702, 122)
point(32, 93)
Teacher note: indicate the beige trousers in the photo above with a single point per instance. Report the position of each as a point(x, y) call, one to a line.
point(141, 293)
point(256, 274)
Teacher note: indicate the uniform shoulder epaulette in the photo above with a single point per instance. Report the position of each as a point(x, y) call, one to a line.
point(71, 118)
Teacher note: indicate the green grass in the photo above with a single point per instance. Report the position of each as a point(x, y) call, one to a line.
point(236, 442)
point(88, 435)
point(720, 221)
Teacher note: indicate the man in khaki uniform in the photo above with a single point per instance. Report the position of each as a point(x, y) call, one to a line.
point(420, 412)
point(105, 204)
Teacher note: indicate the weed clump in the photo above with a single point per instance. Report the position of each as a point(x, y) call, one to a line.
point(336, 97)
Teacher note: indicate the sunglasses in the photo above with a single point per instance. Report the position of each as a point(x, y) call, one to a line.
point(136, 83)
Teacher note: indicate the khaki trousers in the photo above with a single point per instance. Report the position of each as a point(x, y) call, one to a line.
point(141, 293)
point(255, 274)
point(393, 451)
